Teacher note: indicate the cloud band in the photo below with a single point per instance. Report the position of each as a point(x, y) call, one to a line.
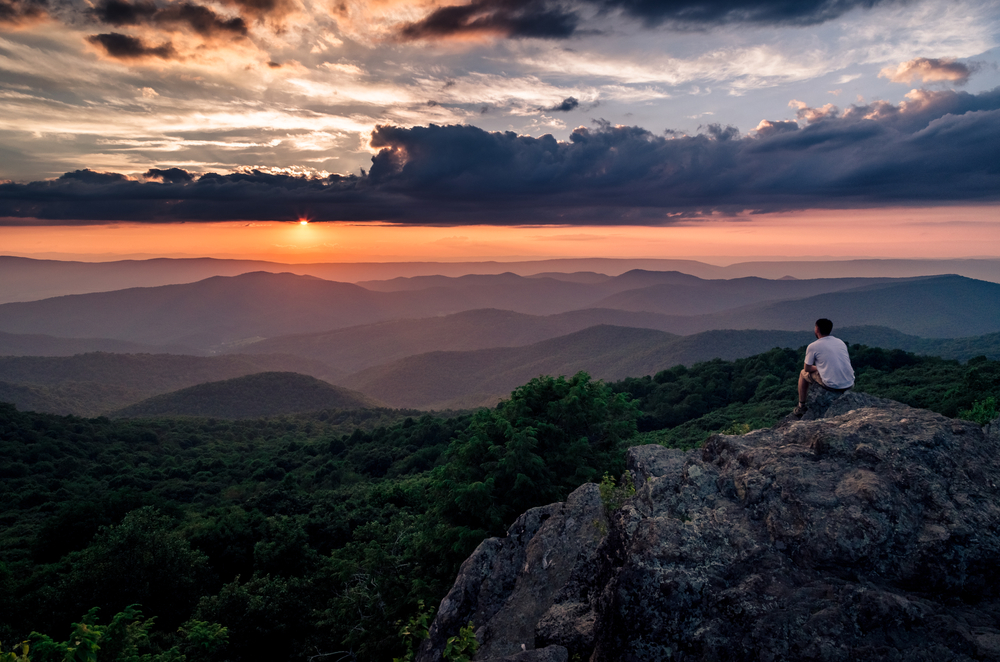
point(936, 148)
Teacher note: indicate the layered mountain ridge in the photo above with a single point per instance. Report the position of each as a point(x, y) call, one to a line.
point(220, 313)
point(27, 279)
point(446, 342)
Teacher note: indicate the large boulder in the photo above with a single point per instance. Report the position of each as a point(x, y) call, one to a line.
point(869, 533)
point(509, 584)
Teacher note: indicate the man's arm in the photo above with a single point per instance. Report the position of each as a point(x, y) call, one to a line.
point(809, 368)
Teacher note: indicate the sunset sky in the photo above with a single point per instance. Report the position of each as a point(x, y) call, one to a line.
point(491, 129)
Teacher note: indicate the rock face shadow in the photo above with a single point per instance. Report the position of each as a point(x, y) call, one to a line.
point(867, 530)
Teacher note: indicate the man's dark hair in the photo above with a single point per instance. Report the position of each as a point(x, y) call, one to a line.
point(824, 325)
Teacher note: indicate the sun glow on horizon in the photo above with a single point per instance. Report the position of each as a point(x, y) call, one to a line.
point(942, 232)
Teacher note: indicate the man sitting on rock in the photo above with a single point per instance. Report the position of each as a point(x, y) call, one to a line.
point(827, 365)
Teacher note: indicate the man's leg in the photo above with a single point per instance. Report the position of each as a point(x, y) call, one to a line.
point(805, 379)
point(803, 386)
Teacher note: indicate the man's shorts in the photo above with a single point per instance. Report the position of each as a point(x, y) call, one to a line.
point(814, 378)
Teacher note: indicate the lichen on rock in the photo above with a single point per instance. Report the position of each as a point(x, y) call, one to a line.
point(866, 531)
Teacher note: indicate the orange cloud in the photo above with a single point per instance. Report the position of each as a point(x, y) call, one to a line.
point(929, 70)
point(768, 128)
point(21, 13)
point(812, 115)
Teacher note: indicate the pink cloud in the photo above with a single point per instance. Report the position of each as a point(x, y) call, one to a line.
point(929, 70)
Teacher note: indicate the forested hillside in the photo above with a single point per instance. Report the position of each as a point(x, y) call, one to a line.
point(317, 534)
point(251, 396)
point(98, 382)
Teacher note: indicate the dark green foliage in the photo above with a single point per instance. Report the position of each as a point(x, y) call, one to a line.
point(682, 405)
point(312, 535)
point(614, 496)
point(551, 436)
point(680, 395)
point(297, 536)
point(416, 630)
point(126, 638)
point(463, 646)
point(142, 560)
point(931, 383)
point(982, 411)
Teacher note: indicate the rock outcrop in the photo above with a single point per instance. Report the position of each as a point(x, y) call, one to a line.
point(870, 532)
point(509, 584)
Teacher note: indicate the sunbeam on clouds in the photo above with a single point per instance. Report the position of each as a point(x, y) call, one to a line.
point(578, 111)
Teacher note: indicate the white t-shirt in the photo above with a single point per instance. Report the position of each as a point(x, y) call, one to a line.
point(830, 357)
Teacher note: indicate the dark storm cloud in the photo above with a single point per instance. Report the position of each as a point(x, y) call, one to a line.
point(704, 13)
point(90, 177)
point(722, 133)
point(568, 104)
point(202, 20)
point(171, 175)
point(504, 18)
point(119, 12)
point(17, 12)
point(935, 148)
point(196, 18)
point(556, 19)
point(768, 128)
point(125, 47)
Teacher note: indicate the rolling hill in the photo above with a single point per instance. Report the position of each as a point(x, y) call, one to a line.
point(224, 312)
point(356, 348)
point(92, 384)
point(215, 311)
point(442, 380)
point(698, 297)
point(945, 306)
point(251, 396)
point(667, 292)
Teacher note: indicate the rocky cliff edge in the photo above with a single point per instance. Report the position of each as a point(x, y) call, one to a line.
point(870, 532)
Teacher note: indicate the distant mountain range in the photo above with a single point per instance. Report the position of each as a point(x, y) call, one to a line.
point(251, 396)
point(667, 292)
point(25, 279)
point(932, 307)
point(214, 311)
point(225, 313)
